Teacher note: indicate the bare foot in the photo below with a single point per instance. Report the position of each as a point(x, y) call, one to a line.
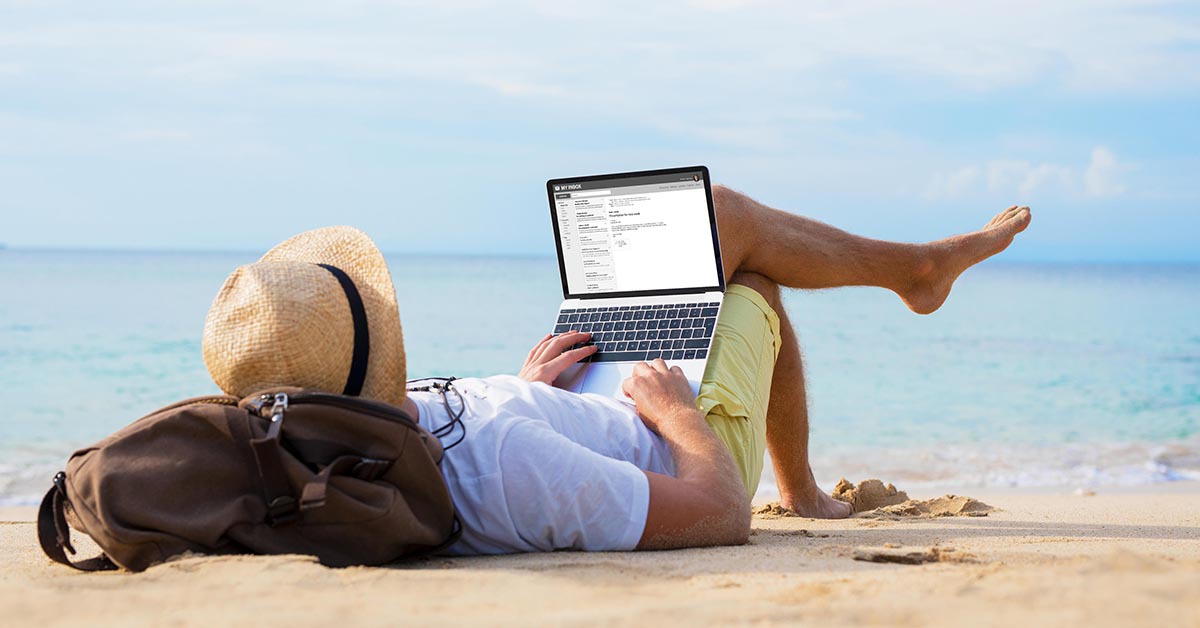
point(944, 260)
point(819, 506)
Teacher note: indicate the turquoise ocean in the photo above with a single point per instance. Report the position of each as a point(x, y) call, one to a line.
point(1031, 375)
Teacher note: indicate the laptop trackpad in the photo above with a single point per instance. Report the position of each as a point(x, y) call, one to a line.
point(606, 379)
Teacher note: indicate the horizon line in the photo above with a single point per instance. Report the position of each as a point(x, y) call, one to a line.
point(535, 256)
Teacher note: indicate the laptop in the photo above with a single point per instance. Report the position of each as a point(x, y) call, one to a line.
point(641, 270)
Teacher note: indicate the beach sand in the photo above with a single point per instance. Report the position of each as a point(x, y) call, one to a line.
point(1115, 558)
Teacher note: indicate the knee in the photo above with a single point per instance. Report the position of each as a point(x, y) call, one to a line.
point(760, 284)
point(722, 195)
point(728, 204)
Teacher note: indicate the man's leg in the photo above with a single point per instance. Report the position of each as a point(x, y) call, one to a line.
point(763, 248)
point(799, 252)
point(787, 417)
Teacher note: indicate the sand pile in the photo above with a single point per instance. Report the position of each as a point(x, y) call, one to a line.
point(944, 506)
point(873, 498)
point(773, 510)
point(869, 494)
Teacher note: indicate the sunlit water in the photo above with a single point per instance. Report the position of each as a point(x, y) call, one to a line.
point(1031, 375)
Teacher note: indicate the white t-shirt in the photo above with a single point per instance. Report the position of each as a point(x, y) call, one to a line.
point(542, 469)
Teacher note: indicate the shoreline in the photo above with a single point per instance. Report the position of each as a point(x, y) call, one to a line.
point(1116, 558)
point(1134, 467)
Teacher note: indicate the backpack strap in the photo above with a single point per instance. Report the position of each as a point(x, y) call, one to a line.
point(54, 535)
point(367, 469)
point(282, 507)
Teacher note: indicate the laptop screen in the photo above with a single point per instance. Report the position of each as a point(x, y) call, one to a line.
point(636, 233)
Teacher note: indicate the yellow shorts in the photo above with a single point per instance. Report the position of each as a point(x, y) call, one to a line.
point(736, 386)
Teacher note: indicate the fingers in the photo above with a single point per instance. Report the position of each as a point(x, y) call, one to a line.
point(557, 365)
point(558, 344)
point(540, 349)
point(657, 366)
point(537, 348)
point(648, 368)
point(642, 369)
point(627, 387)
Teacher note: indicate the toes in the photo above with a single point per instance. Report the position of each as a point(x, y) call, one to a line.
point(1023, 216)
point(1017, 220)
point(998, 217)
point(1006, 215)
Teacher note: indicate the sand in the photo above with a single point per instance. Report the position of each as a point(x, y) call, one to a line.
point(868, 494)
point(1046, 559)
point(944, 506)
point(872, 498)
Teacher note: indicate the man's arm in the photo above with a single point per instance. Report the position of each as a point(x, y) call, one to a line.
point(706, 504)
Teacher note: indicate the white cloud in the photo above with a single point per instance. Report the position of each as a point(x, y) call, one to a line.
point(977, 45)
point(1100, 178)
point(796, 80)
point(953, 184)
point(800, 85)
point(1097, 179)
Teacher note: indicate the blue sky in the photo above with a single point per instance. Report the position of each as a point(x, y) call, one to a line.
point(433, 125)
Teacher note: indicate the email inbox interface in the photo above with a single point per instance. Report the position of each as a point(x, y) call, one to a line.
point(643, 233)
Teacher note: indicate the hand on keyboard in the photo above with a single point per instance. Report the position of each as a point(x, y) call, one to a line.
point(681, 331)
point(553, 355)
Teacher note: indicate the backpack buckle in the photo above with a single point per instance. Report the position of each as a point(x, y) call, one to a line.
point(60, 482)
point(282, 510)
point(62, 532)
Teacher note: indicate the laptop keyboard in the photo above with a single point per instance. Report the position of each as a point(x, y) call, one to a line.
point(640, 333)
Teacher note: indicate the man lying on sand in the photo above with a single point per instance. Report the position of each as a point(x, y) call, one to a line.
point(540, 468)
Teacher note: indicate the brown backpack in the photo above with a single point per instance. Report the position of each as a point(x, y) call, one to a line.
point(350, 481)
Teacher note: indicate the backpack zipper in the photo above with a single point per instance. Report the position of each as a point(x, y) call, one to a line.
point(223, 400)
point(268, 403)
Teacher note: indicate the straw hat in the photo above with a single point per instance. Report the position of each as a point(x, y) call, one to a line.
point(289, 320)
